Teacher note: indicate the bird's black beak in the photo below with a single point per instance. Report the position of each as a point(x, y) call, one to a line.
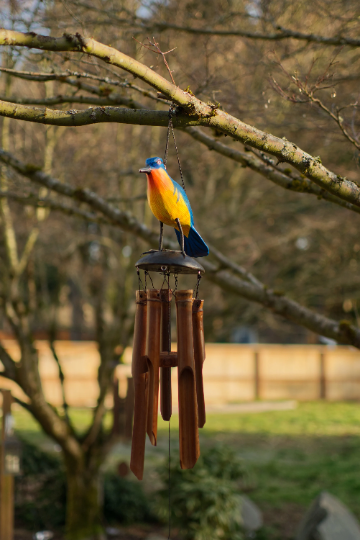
point(145, 170)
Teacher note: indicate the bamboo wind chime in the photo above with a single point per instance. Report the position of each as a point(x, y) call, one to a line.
point(153, 359)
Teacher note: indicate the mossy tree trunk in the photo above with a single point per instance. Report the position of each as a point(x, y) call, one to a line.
point(84, 499)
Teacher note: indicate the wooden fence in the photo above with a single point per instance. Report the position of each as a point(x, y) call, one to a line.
point(232, 373)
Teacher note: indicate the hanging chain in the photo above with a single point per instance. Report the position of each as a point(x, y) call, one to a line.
point(171, 110)
point(165, 274)
point(178, 157)
point(176, 282)
point(148, 275)
point(197, 285)
point(171, 128)
point(141, 286)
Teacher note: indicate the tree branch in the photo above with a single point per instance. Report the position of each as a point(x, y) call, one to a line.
point(198, 112)
point(343, 332)
point(115, 216)
point(306, 164)
point(32, 200)
point(281, 33)
point(66, 77)
point(114, 99)
point(268, 169)
point(61, 377)
point(8, 363)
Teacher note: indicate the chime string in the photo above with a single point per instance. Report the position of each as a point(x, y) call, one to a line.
point(169, 349)
point(169, 486)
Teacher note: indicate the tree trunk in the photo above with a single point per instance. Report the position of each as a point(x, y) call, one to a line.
point(84, 501)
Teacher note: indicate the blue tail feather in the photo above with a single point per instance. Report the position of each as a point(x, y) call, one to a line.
point(194, 244)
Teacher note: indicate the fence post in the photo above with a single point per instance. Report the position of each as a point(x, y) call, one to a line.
point(6, 480)
point(257, 381)
point(322, 377)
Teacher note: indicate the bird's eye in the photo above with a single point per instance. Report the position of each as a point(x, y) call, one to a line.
point(158, 161)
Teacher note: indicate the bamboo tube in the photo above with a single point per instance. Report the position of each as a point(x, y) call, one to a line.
point(188, 422)
point(139, 368)
point(165, 372)
point(153, 360)
point(199, 357)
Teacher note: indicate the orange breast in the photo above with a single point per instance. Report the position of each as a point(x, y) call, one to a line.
point(166, 201)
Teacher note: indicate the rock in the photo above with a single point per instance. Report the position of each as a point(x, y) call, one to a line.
point(328, 519)
point(251, 515)
point(112, 532)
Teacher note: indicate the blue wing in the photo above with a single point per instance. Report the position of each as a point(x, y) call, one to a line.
point(185, 197)
point(194, 245)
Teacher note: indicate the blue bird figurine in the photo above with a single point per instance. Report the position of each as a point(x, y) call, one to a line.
point(170, 205)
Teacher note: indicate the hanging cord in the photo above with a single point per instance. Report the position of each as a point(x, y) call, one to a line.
point(141, 286)
point(171, 128)
point(197, 285)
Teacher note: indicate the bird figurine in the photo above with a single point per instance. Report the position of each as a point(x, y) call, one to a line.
point(170, 205)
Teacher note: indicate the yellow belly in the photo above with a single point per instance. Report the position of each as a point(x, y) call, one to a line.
point(168, 206)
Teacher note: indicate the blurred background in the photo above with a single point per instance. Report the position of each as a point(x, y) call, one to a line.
point(282, 401)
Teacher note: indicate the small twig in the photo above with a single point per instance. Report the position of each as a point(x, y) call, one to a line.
point(309, 91)
point(154, 47)
point(61, 373)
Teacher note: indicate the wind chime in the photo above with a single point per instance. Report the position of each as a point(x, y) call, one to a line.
point(153, 358)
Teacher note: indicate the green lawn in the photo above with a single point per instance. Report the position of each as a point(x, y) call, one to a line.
point(290, 455)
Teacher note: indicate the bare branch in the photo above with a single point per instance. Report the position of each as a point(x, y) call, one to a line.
point(154, 47)
point(61, 376)
point(309, 91)
point(113, 215)
point(32, 200)
point(30, 243)
point(269, 170)
point(343, 332)
point(199, 113)
point(255, 291)
point(281, 33)
point(112, 99)
point(225, 262)
point(66, 78)
point(8, 363)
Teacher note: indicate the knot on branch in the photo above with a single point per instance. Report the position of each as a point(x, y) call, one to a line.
point(347, 330)
point(79, 194)
point(30, 168)
point(77, 40)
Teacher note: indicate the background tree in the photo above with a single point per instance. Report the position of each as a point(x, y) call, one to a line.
point(284, 211)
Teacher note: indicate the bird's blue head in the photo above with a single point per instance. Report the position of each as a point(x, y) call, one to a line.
point(153, 163)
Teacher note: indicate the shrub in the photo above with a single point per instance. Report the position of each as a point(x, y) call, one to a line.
point(40, 494)
point(205, 501)
point(124, 501)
